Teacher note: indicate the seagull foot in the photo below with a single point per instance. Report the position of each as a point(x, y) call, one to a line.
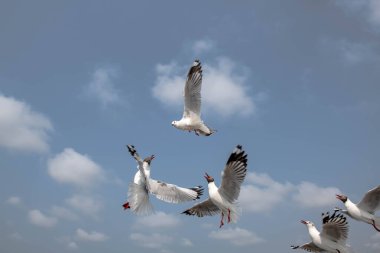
point(126, 205)
point(229, 216)
point(374, 225)
point(221, 221)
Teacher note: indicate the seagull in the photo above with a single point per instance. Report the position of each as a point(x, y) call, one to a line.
point(191, 119)
point(142, 185)
point(365, 209)
point(332, 238)
point(223, 199)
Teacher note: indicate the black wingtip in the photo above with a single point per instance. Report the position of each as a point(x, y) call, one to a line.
point(187, 212)
point(199, 191)
point(294, 247)
point(131, 149)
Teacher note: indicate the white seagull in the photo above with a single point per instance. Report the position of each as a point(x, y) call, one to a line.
point(191, 119)
point(142, 185)
point(223, 199)
point(332, 238)
point(365, 209)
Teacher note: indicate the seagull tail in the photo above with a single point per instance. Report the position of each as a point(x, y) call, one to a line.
point(139, 200)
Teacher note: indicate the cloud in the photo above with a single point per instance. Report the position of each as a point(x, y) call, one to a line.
point(158, 220)
point(14, 200)
point(74, 168)
point(203, 45)
point(37, 218)
point(263, 193)
point(153, 241)
point(236, 236)
point(90, 236)
point(186, 242)
point(311, 195)
point(102, 87)
point(374, 242)
point(354, 53)
point(63, 213)
point(72, 246)
point(88, 205)
point(370, 9)
point(223, 89)
point(21, 128)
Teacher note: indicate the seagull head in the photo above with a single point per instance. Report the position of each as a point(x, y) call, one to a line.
point(209, 178)
point(307, 223)
point(174, 123)
point(341, 197)
point(149, 159)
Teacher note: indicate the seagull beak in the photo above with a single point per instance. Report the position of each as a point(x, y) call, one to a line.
point(303, 222)
point(206, 176)
point(338, 196)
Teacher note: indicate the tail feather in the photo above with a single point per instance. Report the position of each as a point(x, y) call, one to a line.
point(139, 200)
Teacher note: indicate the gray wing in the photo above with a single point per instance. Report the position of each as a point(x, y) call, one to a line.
point(138, 198)
point(311, 247)
point(234, 174)
point(371, 201)
point(192, 91)
point(335, 227)
point(172, 193)
point(204, 208)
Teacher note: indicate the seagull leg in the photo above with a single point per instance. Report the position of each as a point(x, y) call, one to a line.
point(374, 225)
point(221, 221)
point(126, 205)
point(196, 132)
point(229, 216)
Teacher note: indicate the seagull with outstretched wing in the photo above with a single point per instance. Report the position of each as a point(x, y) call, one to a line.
point(143, 185)
point(223, 199)
point(191, 119)
point(365, 209)
point(332, 238)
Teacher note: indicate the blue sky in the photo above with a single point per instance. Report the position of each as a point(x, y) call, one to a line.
point(296, 83)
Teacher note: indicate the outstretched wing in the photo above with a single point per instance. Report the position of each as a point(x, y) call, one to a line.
point(234, 174)
point(192, 91)
point(371, 201)
point(204, 208)
point(172, 193)
point(310, 247)
point(138, 159)
point(335, 227)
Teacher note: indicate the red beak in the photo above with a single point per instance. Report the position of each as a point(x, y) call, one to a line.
point(206, 176)
point(303, 222)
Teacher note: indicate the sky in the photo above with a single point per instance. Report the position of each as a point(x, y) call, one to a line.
point(296, 83)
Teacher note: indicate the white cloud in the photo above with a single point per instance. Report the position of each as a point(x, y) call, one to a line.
point(21, 128)
point(374, 242)
point(374, 11)
point(37, 218)
point(74, 168)
point(224, 91)
point(88, 205)
point(157, 220)
point(72, 245)
point(370, 9)
point(186, 242)
point(310, 195)
point(237, 236)
point(153, 241)
point(203, 45)
point(16, 236)
point(90, 236)
point(354, 53)
point(14, 200)
point(102, 87)
point(263, 193)
point(63, 213)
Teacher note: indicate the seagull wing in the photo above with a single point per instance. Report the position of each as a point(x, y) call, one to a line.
point(371, 201)
point(234, 174)
point(204, 208)
point(172, 193)
point(138, 159)
point(192, 91)
point(138, 198)
point(310, 247)
point(335, 227)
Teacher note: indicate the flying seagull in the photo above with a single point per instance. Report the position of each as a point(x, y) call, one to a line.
point(142, 185)
point(223, 199)
point(331, 239)
point(191, 119)
point(365, 209)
